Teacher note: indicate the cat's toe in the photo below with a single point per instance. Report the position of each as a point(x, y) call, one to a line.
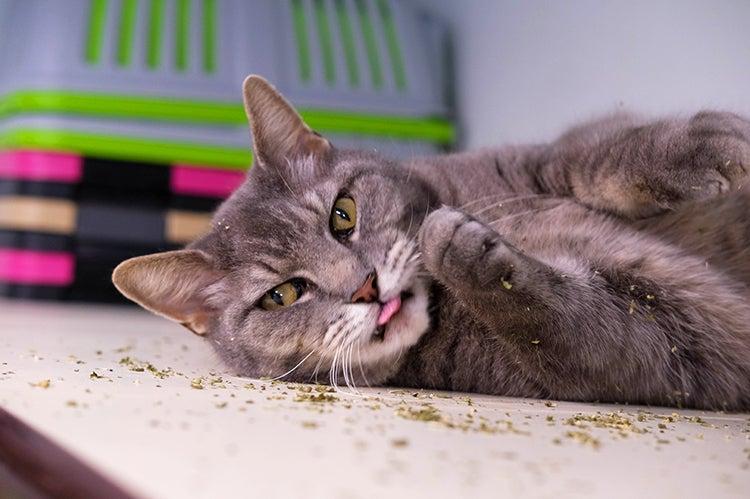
point(720, 156)
point(436, 234)
point(463, 252)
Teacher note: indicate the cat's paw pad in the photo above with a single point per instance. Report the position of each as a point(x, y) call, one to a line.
point(463, 252)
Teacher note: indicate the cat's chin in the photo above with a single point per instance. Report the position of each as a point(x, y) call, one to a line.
point(403, 330)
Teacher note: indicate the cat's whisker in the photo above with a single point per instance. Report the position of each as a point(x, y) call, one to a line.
point(504, 199)
point(465, 206)
point(295, 367)
point(411, 218)
point(332, 333)
point(344, 340)
point(411, 244)
point(331, 381)
point(353, 385)
point(523, 197)
point(351, 369)
point(405, 255)
point(344, 369)
point(424, 216)
point(413, 239)
point(503, 204)
point(361, 369)
point(333, 375)
point(511, 217)
point(398, 357)
point(515, 215)
point(323, 356)
point(314, 375)
point(345, 359)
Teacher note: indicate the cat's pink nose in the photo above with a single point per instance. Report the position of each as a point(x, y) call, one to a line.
point(368, 292)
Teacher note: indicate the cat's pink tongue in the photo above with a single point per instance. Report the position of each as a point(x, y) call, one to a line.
point(388, 310)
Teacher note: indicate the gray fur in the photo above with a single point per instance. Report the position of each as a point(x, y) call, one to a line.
point(610, 265)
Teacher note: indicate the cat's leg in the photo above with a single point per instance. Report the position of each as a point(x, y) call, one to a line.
point(638, 170)
point(643, 332)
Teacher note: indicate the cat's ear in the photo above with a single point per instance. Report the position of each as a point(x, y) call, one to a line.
point(174, 284)
point(279, 134)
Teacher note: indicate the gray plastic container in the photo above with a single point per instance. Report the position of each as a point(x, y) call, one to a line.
point(66, 45)
point(370, 58)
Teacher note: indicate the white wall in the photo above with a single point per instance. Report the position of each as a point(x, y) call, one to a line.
point(526, 69)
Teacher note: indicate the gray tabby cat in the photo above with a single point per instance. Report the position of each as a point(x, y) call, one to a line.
point(610, 265)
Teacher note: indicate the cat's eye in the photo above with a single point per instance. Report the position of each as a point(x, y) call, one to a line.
point(284, 294)
point(343, 217)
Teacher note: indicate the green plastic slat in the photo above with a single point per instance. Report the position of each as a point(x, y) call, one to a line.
point(95, 32)
point(125, 148)
point(371, 46)
point(155, 33)
point(128, 16)
point(394, 48)
point(347, 42)
point(326, 44)
point(221, 113)
point(182, 31)
point(209, 36)
point(300, 35)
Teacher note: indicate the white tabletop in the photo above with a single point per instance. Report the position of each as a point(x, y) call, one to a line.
point(156, 435)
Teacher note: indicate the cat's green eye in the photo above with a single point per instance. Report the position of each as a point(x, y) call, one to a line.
point(284, 294)
point(343, 217)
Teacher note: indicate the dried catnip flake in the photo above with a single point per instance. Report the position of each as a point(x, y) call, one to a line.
point(399, 442)
point(584, 438)
point(317, 398)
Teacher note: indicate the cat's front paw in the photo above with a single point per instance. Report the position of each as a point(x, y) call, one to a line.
point(464, 253)
point(717, 157)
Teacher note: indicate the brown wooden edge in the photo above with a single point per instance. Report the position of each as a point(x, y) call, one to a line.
point(46, 467)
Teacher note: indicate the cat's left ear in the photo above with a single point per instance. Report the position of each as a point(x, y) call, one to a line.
point(279, 134)
point(177, 285)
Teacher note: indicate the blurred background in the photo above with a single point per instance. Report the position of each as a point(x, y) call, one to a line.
point(525, 70)
point(121, 125)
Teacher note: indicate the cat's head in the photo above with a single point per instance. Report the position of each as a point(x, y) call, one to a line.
point(311, 266)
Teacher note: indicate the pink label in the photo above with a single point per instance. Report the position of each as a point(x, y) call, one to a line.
point(46, 268)
point(41, 166)
point(201, 181)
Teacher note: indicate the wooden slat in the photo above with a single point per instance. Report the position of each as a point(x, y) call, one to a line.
point(47, 468)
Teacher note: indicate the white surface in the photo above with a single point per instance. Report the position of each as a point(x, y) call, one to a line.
point(528, 69)
point(162, 438)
